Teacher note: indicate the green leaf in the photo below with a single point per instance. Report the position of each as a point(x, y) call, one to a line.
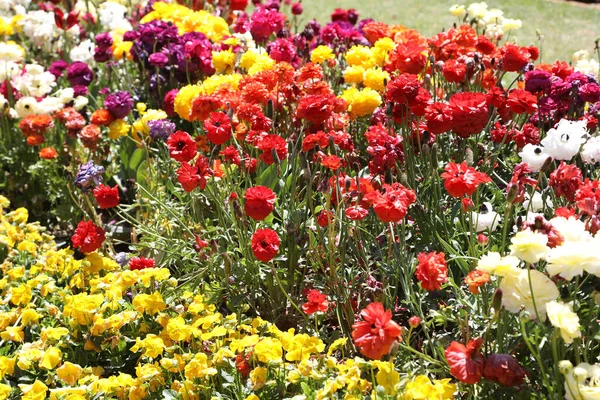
point(136, 159)
point(141, 175)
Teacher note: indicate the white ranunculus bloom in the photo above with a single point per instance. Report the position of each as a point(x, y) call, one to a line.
point(564, 141)
point(517, 293)
point(573, 258)
point(537, 202)
point(50, 105)
point(571, 229)
point(9, 69)
point(535, 156)
point(83, 52)
point(561, 316)
point(529, 246)
point(65, 95)
point(590, 154)
point(26, 106)
point(80, 102)
point(583, 389)
point(486, 218)
point(10, 51)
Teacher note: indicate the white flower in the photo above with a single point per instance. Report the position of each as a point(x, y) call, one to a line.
point(494, 264)
point(65, 95)
point(458, 10)
point(80, 102)
point(26, 106)
point(83, 52)
point(510, 24)
point(561, 316)
point(580, 55)
point(478, 10)
point(572, 229)
point(534, 156)
point(564, 141)
point(572, 258)
point(486, 218)
point(583, 389)
point(516, 292)
point(537, 202)
point(590, 66)
point(49, 105)
point(529, 246)
point(10, 51)
point(9, 69)
point(590, 154)
point(112, 16)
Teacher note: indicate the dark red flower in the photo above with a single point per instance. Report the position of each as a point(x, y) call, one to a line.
point(432, 270)
point(439, 118)
point(587, 197)
point(106, 196)
point(454, 71)
point(270, 144)
point(461, 180)
point(139, 263)
point(265, 244)
point(182, 146)
point(260, 201)
point(218, 128)
point(324, 218)
point(392, 205)
point(466, 363)
point(317, 301)
point(376, 333)
point(565, 180)
point(469, 113)
point(402, 88)
point(317, 108)
point(504, 369)
point(514, 58)
point(88, 237)
point(356, 213)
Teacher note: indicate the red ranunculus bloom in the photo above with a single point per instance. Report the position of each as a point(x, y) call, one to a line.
point(218, 128)
point(514, 58)
point(504, 369)
point(332, 162)
point(376, 333)
point(565, 180)
point(270, 143)
point(324, 218)
point(392, 205)
point(466, 363)
point(48, 153)
point(192, 176)
point(521, 102)
point(139, 263)
point(182, 146)
point(88, 237)
point(432, 270)
point(265, 244)
point(106, 196)
point(461, 180)
point(317, 301)
point(403, 88)
point(356, 213)
point(260, 202)
point(454, 71)
point(469, 113)
point(587, 197)
point(439, 118)
point(316, 108)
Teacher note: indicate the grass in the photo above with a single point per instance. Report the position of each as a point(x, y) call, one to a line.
point(566, 26)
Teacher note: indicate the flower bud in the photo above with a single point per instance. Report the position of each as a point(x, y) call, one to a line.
point(482, 239)
point(414, 322)
point(466, 204)
point(565, 367)
point(580, 374)
point(525, 316)
point(497, 300)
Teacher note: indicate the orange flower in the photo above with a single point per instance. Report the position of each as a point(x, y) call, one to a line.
point(376, 333)
point(475, 279)
point(90, 135)
point(35, 139)
point(202, 143)
point(48, 153)
point(35, 124)
point(102, 117)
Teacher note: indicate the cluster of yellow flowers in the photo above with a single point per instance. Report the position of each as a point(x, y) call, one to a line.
point(67, 320)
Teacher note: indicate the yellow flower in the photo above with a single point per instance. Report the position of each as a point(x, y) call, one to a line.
point(53, 334)
point(183, 100)
point(178, 330)
point(516, 292)
point(259, 377)
point(252, 397)
point(444, 389)
point(7, 366)
point(337, 344)
point(199, 367)
point(223, 61)
point(37, 391)
point(4, 389)
point(52, 357)
point(13, 334)
point(140, 126)
point(375, 79)
point(69, 373)
point(361, 102)
point(419, 388)
point(321, 54)
point(29, 315)
point(302, 346)
point(268, 350)
point(354, 74)
point(149, 303)
point(153, 346)
point(359, 56)
point(27, 246)
point(494, 263)
point(21, 295)
point(118, 128)
point(529, 246)
point(458, 10)
point(385, 43)
point(561, 316)
point(82, 307)
point(387, 376)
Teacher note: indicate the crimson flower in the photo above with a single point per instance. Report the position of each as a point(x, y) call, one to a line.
point(106, 196)
point(466, 362)
point(356, 213)
point(402, 88)
point(317, 301)
point(514, 58)
point(439, 117)
point(218, 128)
point(392, 205)
point(521, 102)
point(270, 144)
point(88, 237)
point(139, 263)
point(504, 369)
point(461, 180)
point(259, 203)
point(265, 244)
point(324, 218)
point(565, 180)
point(469, 113)
point(376, 333)
point(192, 176)
point(182, 146)
point(331, 162)
point(432, 270)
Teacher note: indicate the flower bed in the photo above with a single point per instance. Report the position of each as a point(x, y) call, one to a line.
point(247, 206)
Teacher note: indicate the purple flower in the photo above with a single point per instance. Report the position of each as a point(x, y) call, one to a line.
point(159, 60)
point(80, 90)
point(282, 50)
point(103, 51)
point(119, 104)
point(161, 128)
point(58, 67)
point(122, 258)
point(79, 74)
point(88, 176)
point(537, 80)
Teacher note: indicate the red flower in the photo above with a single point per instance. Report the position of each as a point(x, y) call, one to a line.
point(331, 162)
point(514, 58)
point(139, 263)
point(565, 180)
point(587, 197)
point(376, 333)
point(504, 369)
point(182, 146)
point(317, 301)
point(260, 202)
point(521, 102)
point(265, 244)
point(403, 88)
point(466, 363)
point(106, 196)
point(356, 213)
point(476, 278)
point(408, 57)
point(272, 143)
point(88, 237)
point(469, 113)
point(324, 218)
point(218, 128)
point(192, 176)
point(461, 180)
point(316, 108)
point(48, 153)
point(392, 205)
point(439, 118)
point(432, 270)
point(414, 321)
point(454, 71)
